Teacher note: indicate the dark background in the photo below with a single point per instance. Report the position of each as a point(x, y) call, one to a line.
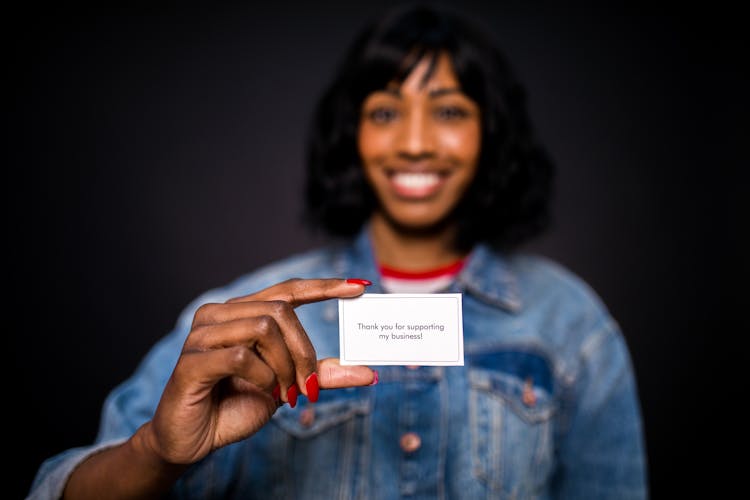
point(158, 152)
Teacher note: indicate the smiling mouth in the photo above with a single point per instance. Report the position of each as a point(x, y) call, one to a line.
point(416, 185)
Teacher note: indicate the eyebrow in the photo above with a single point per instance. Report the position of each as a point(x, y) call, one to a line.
point(433, 93)
point(444, 91)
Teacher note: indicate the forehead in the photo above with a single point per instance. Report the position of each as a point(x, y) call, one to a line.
point(430, 73)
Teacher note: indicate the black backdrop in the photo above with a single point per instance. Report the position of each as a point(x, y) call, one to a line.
point(158, 153)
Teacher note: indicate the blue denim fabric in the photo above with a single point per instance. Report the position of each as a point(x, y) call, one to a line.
point(545, 407)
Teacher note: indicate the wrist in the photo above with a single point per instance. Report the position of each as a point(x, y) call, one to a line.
point(142, 445)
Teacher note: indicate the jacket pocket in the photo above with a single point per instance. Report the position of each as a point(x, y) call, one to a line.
point(327, 444)
point(308, 420)
point(510, 409)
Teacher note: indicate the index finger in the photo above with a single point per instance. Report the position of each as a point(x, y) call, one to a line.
point(298, 291)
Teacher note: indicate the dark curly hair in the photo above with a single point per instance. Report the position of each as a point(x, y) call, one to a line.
point(507, 202)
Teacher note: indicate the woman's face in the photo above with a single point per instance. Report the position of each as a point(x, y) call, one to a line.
point(419, 144)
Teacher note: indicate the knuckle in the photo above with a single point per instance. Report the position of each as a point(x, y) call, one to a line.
point(204, 314)
point(294, 288)
point(281, 308)
point(265, 325)
point(239, 356)
point(309, 357)
point(196, 339)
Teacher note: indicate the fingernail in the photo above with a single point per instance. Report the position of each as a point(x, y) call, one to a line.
point(375, 377)
point(313, 389)
point(276, 393)
point(291, 395)
point(358, 281)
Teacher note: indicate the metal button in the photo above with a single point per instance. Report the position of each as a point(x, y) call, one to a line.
point(410, 442)
point(528, 396)
point(412, 367)
point(307, 417)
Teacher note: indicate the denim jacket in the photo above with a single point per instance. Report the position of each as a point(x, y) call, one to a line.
point(546, 405)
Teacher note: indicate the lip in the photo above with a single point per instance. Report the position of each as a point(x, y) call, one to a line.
point(416, 184)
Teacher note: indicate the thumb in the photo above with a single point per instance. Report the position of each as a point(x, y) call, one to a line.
point(331, 375)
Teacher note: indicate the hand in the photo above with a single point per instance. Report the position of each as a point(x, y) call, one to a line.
point(238, 358)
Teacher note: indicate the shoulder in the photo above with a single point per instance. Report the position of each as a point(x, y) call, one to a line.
point(544, 280)
point(564, 309)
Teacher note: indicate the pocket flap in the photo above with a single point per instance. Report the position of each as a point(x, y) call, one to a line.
point(523, 379)
point(332, 408)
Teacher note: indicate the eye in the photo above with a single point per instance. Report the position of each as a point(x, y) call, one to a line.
point(382, 115)
point(451, 113)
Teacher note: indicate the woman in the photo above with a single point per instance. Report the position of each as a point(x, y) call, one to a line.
point(423, 156)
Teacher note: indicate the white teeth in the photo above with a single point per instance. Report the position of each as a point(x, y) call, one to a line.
point(416, 180)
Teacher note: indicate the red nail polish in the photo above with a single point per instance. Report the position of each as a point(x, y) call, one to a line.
point(358, 281)
point(375, 377)
point(276, 393)
point(291, 395)
point(313, 389)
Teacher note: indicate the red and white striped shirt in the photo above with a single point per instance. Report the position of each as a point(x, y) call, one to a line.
point(431, 281)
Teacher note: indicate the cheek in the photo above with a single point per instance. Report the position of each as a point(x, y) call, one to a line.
point(462, 143)
point(372, 143)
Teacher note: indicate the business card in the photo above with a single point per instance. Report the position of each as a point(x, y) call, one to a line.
point(402, 329)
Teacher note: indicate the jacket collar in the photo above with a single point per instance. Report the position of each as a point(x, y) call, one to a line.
point(486, 275)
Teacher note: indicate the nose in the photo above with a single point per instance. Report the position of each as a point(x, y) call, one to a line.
point(416, 139)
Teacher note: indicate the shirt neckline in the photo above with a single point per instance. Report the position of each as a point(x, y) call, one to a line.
point(451, 269)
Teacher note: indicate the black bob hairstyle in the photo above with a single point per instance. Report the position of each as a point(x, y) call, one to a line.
point(507, 202)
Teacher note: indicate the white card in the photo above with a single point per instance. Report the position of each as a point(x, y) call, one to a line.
point(402, 329)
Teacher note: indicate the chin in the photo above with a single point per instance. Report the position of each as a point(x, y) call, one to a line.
point(426, 223)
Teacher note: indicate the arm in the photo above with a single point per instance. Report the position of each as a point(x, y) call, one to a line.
point(240, 361)
point(131, 469)
point(601, 453)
